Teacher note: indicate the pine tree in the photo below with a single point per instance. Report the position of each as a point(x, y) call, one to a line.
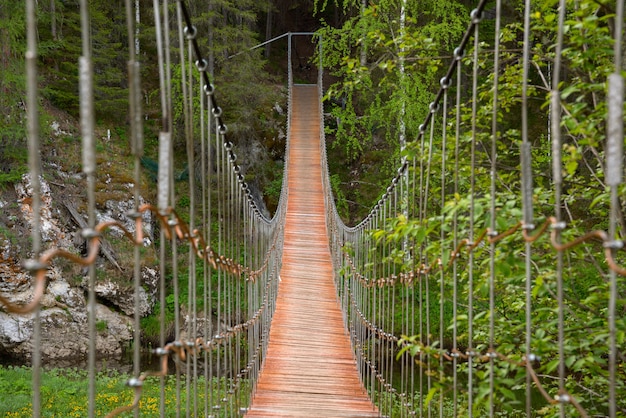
point(12, 91)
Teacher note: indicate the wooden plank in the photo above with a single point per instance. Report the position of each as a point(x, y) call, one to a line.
point(309, 368)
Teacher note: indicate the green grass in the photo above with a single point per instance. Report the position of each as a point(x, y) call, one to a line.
point(64, 393)
point(101, 326)
point(11, 177)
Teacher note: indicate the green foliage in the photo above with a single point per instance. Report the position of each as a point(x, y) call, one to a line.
point(13, 150)
point(13, 153)
point(151, 324)
point(587, 61)
point(12, 33)
point(388, 70)
point(109, 55)
point(228, 28)
point(101, 325)
point(585, 328)
point(393, 85)
point(13, 175)
point(151, 167)
point(273, 191)
point(340, 198)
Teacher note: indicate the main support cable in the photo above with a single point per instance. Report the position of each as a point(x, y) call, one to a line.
point(202, 64)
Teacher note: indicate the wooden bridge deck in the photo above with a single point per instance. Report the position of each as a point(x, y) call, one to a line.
point(309, 368)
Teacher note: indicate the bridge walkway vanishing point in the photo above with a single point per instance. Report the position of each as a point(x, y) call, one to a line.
point(309, 367)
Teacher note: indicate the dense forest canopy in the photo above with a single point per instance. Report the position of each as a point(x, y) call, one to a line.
point(383, 61)
point(364, 102)
point(382, 70)
point(226, 28)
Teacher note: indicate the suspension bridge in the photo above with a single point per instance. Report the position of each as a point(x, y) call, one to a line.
point(439, 303)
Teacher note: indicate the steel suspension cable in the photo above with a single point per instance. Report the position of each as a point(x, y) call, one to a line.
point(390, 315)
point(377, 301)
point(163, 184)
point(421, 257)
point(458, 55)
point(405, 297)
point(136, 127)
point(492, 210)
point(219, 145)
point(205, 162)
point(475, 16)
point(557, 178)
point(163, 193)
point(427, 276)
point(414, 264)
point(34, 168)
point(233, 288)
point(173, 223)
point(186, 88)
point(527, 197)
point(442, 233)
point(614, 176)
point(89, 169)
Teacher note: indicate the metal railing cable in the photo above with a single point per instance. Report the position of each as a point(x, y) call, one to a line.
point(136, 128)
point(492, 207)
point(458, 55)
point(527, 197)
point(87, 119)
point(614, 176)
point(476, 368)
point(34, 167)
point(555, 132)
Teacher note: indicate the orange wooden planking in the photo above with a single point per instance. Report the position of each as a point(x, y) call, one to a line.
point(309, 368)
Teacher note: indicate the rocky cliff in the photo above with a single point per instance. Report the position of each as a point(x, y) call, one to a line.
point(63, 306)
